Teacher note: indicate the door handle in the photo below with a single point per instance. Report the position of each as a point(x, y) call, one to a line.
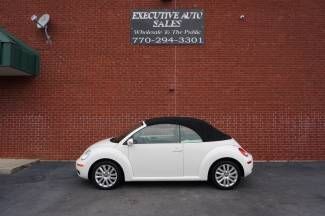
point(177, 150)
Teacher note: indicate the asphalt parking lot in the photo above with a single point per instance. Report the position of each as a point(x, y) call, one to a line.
point(52, 188)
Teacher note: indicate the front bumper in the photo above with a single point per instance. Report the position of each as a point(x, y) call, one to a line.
point(82, 169)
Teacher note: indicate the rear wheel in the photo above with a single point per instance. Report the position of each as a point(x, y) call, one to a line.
point(225, 175)
point(106, 175)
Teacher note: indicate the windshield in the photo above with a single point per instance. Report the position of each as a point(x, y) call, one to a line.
point(119, 138)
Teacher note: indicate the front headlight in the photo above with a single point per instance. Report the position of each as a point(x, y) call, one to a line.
point(85, 155)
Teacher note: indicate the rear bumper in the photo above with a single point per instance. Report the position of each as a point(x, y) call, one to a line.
point(248, 166)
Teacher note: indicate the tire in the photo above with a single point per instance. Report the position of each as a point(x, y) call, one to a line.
point(106, 175)
point(225, 175)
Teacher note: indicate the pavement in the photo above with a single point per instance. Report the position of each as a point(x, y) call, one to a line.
point(53, 188)
point(9, 166)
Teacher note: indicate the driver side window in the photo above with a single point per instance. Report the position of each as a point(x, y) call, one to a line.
point(160, 133)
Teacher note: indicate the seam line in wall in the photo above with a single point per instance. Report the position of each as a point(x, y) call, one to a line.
point(175, 75)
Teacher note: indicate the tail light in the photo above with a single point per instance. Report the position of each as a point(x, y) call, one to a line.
point(243, 152)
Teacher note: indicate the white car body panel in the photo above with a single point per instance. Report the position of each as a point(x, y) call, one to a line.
point(156, 160)
point(195, 154)
point(228, 149)
point(106, 150)
point(164, 162)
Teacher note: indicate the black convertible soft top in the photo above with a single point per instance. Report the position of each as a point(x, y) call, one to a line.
point(206, 131)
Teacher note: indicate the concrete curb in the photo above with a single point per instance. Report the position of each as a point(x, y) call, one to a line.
point(287, 161)
point(9, 166)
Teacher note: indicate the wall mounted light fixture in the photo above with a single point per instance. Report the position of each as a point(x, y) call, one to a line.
point(42, 23)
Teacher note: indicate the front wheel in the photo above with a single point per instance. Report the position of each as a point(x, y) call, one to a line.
point(225, 175)
point(106, 175)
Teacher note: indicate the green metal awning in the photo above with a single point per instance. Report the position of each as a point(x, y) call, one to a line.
point(16, 58)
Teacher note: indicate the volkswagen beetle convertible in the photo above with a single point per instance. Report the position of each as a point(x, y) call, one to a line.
point(166, 149)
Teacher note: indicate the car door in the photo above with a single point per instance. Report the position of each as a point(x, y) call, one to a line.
point(157, 152)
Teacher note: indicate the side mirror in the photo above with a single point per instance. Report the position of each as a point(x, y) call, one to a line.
point(129, 142)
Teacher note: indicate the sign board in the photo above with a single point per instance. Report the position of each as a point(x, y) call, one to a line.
point(167, 26)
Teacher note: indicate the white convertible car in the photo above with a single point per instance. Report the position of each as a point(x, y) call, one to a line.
point(166, 149)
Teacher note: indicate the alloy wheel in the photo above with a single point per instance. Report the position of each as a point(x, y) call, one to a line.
point(226, 175)
point(106, 176)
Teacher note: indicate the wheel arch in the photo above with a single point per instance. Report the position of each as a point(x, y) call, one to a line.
point(102, 160)
point(227, 159)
